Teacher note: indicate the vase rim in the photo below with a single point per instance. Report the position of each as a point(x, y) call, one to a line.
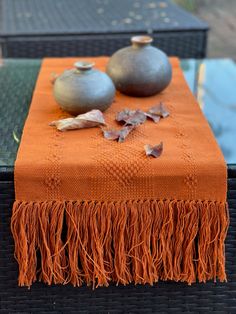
point(142, 40)
point(84, 65)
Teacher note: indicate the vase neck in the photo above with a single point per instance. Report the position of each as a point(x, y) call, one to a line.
point(141, 41)
point(83, 66)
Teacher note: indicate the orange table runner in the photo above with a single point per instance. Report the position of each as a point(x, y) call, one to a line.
point(92, 211)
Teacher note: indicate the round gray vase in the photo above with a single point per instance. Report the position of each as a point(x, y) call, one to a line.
point(141, 69)
point(82, 89)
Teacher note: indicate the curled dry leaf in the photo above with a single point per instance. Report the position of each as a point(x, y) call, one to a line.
point(111, 134)
point(119, 135)
point(154, 117)
point(90, 119)
point(124, 132)
point(159, 110)
point(124, 115)
point(16, 138)
point(155, 150)
point(131, 117)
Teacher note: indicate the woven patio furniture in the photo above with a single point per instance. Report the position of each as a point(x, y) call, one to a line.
point(17, 80)
point(35, 29)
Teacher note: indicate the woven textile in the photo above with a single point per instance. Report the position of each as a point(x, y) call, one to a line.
point(92, 210)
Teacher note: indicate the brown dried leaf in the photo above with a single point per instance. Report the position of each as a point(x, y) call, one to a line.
point(111, 134)
point(119, 135)
point(124, 115)
point(124, 132)
point(95, 116)
point(159, 110)
point(154, 117)
point(89, 119)
point(131, 117)
point(155, 150)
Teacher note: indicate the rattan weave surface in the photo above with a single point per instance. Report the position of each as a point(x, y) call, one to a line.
point(17, 81)
point(165, 297)
point(185, 44)
point(35, 29)
point(45, 17)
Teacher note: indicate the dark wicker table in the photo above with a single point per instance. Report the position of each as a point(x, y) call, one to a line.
point(35, 29)
point(17, 79)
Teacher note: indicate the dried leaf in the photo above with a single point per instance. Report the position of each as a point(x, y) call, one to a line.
point(92, 116)
point(16, 138)
point(131, 117)
point(155, 150)
point(90, 119)
point(137, 118)
point(124, 132)
point(159, 110)
point(111, 134)
point(119, 135)
point(124, 115)
point(154, 117)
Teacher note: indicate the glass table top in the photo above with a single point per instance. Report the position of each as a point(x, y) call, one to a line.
point(213, 83)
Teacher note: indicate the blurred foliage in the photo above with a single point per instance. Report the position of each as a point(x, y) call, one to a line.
point(189, 5)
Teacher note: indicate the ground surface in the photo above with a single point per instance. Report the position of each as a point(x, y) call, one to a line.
point(221, 17)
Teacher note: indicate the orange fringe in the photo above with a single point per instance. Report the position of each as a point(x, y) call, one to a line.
point(135, 241)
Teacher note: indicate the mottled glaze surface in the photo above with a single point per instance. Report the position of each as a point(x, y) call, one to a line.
point(82, 89)
point(140, 70)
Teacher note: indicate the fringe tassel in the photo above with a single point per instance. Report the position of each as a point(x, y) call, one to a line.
point(135, 241)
